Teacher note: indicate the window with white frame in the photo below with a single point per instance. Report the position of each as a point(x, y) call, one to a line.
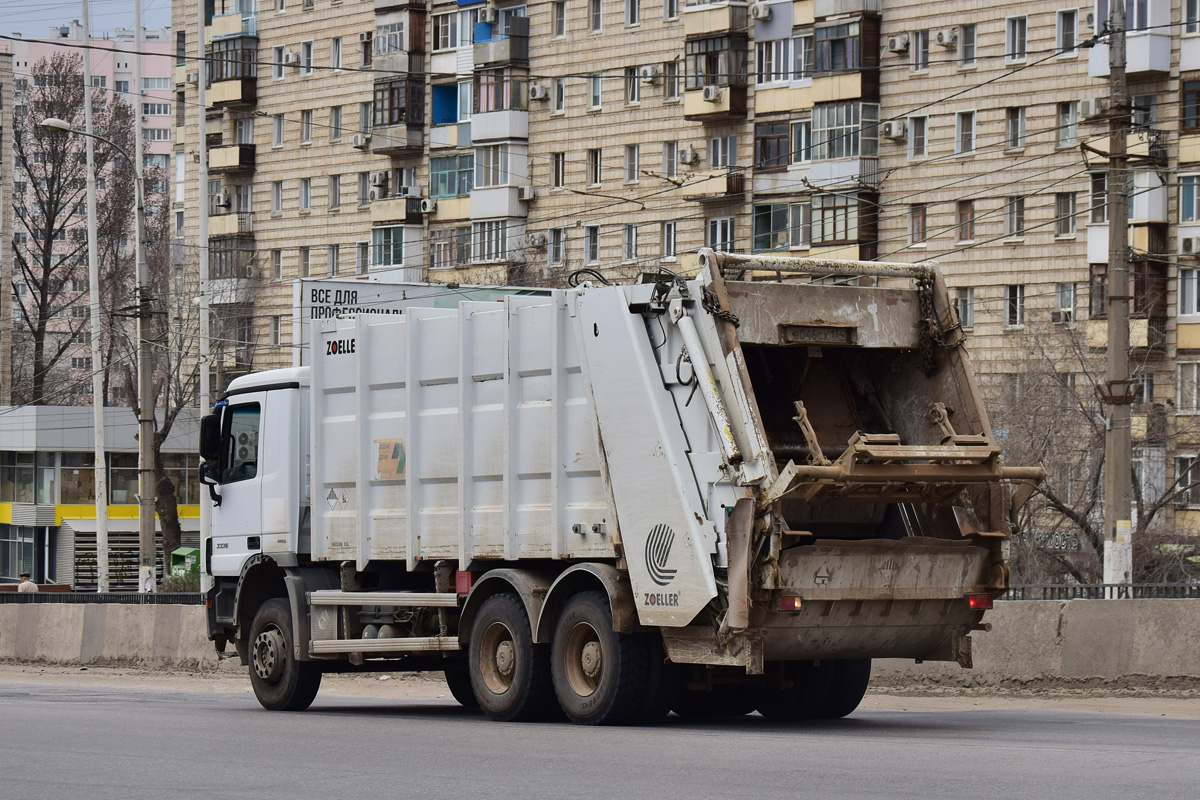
point(1189, 291)
point(591, 244)
point(1191, 16)
point(1067, 31)
point(277, 68)
point(966, 46)
point(276, 197)
point(1014, 128)
point(722, 151)
point(306, 126)
point(720, 233)
point(919, 47)
point(964, 132)
point(595, 95)
point(306, 58)
point(632, 165)
point(845, 130)
point(333, 257)
point(335, 192)
point(1188, 398)
point(964, 303)
point(800, 226)
point(491, 166)
point(629, 248)
point(387, 246)
point(1014, 217)
point(277, 124)
point(362, 258)
point(1064, 214)
point(335, 53)
point(834, 218)
point(671, 81)
point(1189, 198)
point(558, 19)
point(305, 267)
point(156, 109)
point(556, 240)
point(1014, 316)
point(335, 123)
point(490, 240)
point(1068, 123)
point(633, 12)
point(306, 194)
point(633, 86)
point(918, 137)
point(595, 16)
point(445, 31)
point(801, 142)
point(1064, 296)
point(670, 162)
point(275, 330)
point(560, 95)
point(558, 170)
point(1187, 481)
point(593, 166)
point(668, 239)
point(670, 9)
point(1014, 39)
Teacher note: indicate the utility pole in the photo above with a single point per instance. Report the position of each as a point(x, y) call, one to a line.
point(147, 580)
point(101, 467)
point(205, 399)
point(1118, 547)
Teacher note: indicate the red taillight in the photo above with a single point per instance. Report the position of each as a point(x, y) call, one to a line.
point(463, 581)
point(789, 604)
point(980, 602)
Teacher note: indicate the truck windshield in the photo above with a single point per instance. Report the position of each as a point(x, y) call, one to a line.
point(239, 460)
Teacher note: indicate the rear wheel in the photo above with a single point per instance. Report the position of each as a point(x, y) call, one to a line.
point(846, 691)
point(281, 683)
point(804, 698)
point(510, 675)
point(600, 676)
point(458, 680)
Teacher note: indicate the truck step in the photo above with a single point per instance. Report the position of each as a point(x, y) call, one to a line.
point(333, 597)
point(413, 644)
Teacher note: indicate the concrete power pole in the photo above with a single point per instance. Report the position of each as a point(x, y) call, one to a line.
point(205, 388)
point(1118, 546)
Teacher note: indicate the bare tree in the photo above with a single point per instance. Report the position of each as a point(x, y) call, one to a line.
point(49, 266)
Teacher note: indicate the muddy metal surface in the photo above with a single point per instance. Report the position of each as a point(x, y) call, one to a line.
point(124, 734)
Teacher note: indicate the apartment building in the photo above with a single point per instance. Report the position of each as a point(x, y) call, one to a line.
point(506, 142)
point(6, 205)
point(111, 61)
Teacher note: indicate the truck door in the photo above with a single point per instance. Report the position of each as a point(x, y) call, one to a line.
point(237, 521)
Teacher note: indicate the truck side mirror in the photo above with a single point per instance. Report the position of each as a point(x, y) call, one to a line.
point(210, 480)
point(210, 437)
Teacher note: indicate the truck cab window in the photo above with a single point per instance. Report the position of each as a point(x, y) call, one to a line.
point(239, 459)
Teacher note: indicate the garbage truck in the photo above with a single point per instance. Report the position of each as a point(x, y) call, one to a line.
point(708, 495)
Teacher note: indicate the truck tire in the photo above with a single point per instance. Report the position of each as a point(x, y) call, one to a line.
point(850, 679)
point(458, 680)
point(510, 675)
point(281, 683)
point(804, 699)
point(600, 676)
point(725, 700)
point(663, 682)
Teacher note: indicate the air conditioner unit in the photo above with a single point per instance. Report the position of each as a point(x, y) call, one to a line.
point(1093, 107)
point(193, 78)
point(364, 37)
point(223, 199)
point(410, 191)
point(1062, 316)
point(291, 59)
point(537, 240)
point(376, 194)
point(650, 74)
point(946, 37)
point(689, 156)
point(248, 271)
point(428, 206)
point(760, 11)
point(898, 43)
point(489, 15)
point(526, 193)
point(538, 92)
point(379, 178)
point(893, 129)
point(712, 94)
point(361, 140)
point(1190, 245)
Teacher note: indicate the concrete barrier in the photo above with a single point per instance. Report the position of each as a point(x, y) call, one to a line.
point(1084, 642)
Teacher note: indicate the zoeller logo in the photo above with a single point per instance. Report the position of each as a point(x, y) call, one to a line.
point(658, 550)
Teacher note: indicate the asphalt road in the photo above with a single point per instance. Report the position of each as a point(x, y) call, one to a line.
point(101, 743)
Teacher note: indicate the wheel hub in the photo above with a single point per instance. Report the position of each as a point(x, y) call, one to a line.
point(498, 658)
point(504, 658)
point(269, 655)
point(590, 661)
point(584, 657)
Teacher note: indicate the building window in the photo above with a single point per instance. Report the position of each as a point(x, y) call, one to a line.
point(964, 132)
point(276, 325)
point(1191, 105)
point(964, 218)
point(306, 194)
point(445, 31)
point(1191, 16)
point(720, 234)
point(1068, 117)
point(558, 170)
point(633, 12)
point(156, 109)
point(716, 61)
point(966, 46)
point(918, 128)
point(276, 264)
point(560, 95)
point(362, 258)
point(366, 49)
point(964, 303)
point(670, 163)
point(306, 126)
point(556, 249)
point(335, 53)
point(1014, 128)
point(593, 167)
point(594, 94)
point(1187, 481)
point(335, 192)
point(277, 130)
point(364, 188)
point(1189, 387)
point(305, 262)
point(276, 197)
point(722, 151)
point(1099, 197)
point(670, 9)
point(800, 225)
point(771, 148)
point(632, 163)
point(451, 176)
point(668, 240)
point(1064, 214)
point(490, 240)
point(387, 246)
point(1065, 306)
point(1015, 305)
point(1014, 216)
point(1014, 39)
point(916, 223)
point(1189, 291)
point(559, 19)
point(491, 166)
point(306, 58)
point(591, 244)
point(277, 60)
point(920, 50)
point(771, 229)
point(335, 123)
point(801, 144)
point(595, 20)
point(1067, 31)
point(834, 218)
point(671, 82)
point(629, 252)
point(837, 47)
point(845, 130)
point(633, 86)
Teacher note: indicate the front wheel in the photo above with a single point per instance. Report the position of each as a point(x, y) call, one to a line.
point(280, 681)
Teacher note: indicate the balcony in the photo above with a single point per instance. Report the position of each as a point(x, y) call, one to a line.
point(234, 224)
point(499, 126)
point(512, 48)
point(708, 19)
point(715, 184)
point(403, 210)
point(729, 102)
point(497, 201)
point(231, 160)
point(1147, 55)
point(396, 140)
point(233, 93)
point(453, 135)
point(845, 171)
point(228, 26)
point(836, 8)
point(399, 62)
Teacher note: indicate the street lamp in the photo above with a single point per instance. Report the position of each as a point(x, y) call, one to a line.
point(146, 488)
